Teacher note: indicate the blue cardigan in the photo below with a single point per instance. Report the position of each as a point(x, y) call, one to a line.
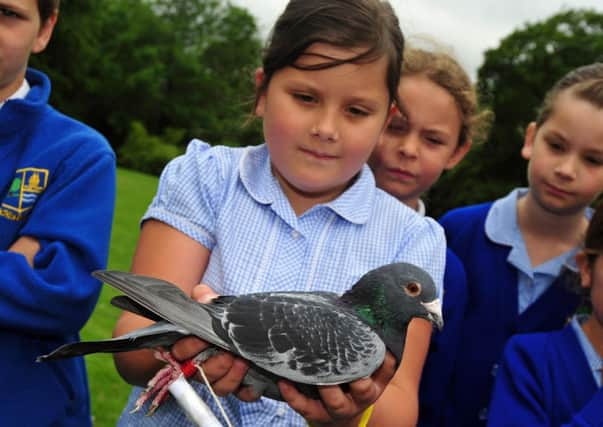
point(491, 316)
point(442, 357)
point(545, 380)
point(57, 184)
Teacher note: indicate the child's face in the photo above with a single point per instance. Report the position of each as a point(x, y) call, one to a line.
point(419, 144)
point(565, 156)
point(321, 126)
point(21, 34)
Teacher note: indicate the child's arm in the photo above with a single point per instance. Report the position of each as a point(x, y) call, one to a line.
point(46, 289)
point(399, 404)
point(166, 253)
point(521, 386)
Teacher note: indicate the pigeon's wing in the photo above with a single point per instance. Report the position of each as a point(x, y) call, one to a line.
point(128, 304)
point(165, 300)
point(304, 337)
point(162, 334)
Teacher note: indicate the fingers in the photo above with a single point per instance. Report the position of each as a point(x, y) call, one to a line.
point(247, 394)
point(385, 373)
point(187, 348)
point(310, 409)
point(225, 373)
point(203, 293)
point(335, 406)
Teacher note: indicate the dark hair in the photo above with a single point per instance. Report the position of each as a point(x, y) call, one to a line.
point(340, 23)
point(593, 242)
point(443, 70)
point(46, 8)
point(586, 83)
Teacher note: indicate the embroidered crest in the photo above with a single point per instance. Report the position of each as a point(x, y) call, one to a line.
point(24, 190)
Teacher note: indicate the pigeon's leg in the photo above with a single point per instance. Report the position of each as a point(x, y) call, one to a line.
point(159, 384)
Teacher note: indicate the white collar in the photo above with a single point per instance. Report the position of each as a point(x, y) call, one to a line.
point(20, 93)
point(421, 207)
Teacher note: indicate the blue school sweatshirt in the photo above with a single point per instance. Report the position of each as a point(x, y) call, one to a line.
point(545, 380)
point(57, 184)
point(442, 357)
point(491, 316)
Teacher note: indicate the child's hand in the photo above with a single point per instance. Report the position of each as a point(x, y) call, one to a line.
point(223, 370)
point(336, 407)
point(27, 246)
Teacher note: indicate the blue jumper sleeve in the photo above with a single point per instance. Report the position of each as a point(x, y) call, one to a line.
point(530, 389)
point(72, 221)
point(591, 415)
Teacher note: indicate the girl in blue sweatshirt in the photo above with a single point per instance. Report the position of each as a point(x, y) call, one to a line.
point(554, 378)
point(515, 249)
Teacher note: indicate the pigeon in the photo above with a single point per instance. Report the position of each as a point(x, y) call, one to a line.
point(308, 338)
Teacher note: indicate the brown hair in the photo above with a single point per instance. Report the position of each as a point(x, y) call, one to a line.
point(341, 23)
point(46, 8)
point(443, 70)
point(586, 83)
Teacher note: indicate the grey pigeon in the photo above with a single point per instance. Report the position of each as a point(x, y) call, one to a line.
point(309, 338)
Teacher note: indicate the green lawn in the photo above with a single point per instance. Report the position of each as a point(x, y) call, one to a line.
point(109, 392)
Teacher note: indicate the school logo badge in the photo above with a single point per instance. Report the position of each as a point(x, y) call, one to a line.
point(26, 187)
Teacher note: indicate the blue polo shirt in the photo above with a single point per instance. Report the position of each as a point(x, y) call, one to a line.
point(502, 227)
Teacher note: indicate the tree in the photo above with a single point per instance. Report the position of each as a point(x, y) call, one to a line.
point(184, 66)
point(513, 81)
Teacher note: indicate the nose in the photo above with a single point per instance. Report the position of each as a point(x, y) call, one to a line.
point(409, 145)
point(566, 168)
point(325, 127)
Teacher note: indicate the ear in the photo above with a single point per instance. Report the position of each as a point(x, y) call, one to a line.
point(260, 104)
point(459, 153)
point(45, 33)
point(528, 141)
point(585, 270)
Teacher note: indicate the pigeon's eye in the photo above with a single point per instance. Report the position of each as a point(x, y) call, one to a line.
point(412, 288)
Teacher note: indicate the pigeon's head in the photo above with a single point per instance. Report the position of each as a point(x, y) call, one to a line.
point(389, 297)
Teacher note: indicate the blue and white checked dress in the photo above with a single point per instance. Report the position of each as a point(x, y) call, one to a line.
point(228, 200)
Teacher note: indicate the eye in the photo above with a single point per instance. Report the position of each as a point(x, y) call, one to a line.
point(413, 289)
point(358, 112)
point(304, 98)
point(8, 13)
point(594, 161)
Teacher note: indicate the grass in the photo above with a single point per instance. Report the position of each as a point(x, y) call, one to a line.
point(108, 391)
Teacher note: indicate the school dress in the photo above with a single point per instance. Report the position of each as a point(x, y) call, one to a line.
point(57, 184)
point(228, 200)
point(496, 304)
point(545, 379)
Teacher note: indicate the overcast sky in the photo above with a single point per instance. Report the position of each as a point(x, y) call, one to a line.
point(466, 27)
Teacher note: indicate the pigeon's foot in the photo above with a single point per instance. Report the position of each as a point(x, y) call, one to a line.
point(159, 384)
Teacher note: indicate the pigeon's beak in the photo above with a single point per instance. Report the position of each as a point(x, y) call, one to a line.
point(434, 310)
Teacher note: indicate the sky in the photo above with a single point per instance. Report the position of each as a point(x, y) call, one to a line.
point(465, 28)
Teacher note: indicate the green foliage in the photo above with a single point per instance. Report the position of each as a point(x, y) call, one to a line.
point(183, 65)
point(513, 81)
point(108, 390)
point(149, 153)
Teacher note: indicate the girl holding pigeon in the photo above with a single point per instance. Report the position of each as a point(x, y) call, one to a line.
point(299, 212)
